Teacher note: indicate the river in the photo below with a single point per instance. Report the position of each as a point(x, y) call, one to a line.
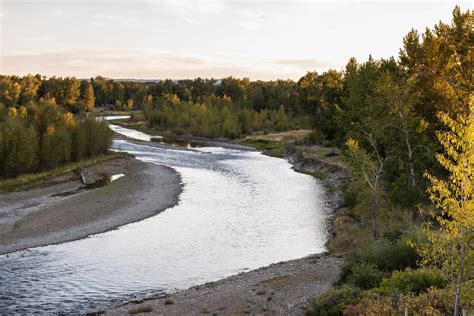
point(239, 210)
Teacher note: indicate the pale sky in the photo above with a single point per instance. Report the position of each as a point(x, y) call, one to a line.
point(158, 39)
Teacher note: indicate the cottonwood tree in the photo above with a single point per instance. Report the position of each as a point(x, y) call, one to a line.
point(440, 65)
point(450, 244)
point(367, 177)
point(89, 98)
point(405, 134)
point(9, 91)
point(130, 104)
point(29, 88)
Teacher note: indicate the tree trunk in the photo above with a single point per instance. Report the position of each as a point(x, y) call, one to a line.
point(374, 215)
point(411, 166)
point(81, 175)
point(457, 296)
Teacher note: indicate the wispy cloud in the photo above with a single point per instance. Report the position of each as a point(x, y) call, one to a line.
point(158, 30)
point(57, 12)
point(155, 65)
point(305, 63)
point(38, 38)
point(250, 25)
point(109, 17)
point(190, 20)
point(3, 13)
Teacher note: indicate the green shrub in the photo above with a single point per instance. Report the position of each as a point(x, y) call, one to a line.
point(413, 281)
point(392, 235)
point(433, 302)
point(140, 309)
point(334, 299)
point(137, 116)
point(55, 147)
point(79, 144)
point(299, 154)
point(98, 136)
point(263, 144)
point(384, 255)
point(349, 196)
point(365, 276)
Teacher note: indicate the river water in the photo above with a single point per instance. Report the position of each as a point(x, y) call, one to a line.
point(239, 210)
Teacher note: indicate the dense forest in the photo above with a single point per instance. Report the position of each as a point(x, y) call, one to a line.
point(405, 126)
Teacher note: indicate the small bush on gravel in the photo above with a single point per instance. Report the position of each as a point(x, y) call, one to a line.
point(140, 309)
point(169, 301)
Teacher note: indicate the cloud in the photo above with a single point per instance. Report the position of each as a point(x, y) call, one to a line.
point(109, 17)
point(250, 25)
point(305, 63)
point(3, 13)
point(253, 14)
point(58, 11)
point(158, 30)
point(190, 20)
point(39, 38)
point(154, 65)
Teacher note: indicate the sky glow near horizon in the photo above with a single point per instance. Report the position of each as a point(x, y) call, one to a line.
point(158, 39)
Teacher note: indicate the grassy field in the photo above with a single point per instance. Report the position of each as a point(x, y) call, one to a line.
point(9, 185)
point(284, 137)
point(262, 144)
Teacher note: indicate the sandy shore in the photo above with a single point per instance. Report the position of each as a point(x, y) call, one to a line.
point(61, 209)
point(285, 288)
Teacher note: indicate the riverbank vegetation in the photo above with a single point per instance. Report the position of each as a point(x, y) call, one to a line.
point(215, 117)
point(38, 134)
point(406, 129)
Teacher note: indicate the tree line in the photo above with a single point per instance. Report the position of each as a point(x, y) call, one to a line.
point(75, 94)
point(214, 117)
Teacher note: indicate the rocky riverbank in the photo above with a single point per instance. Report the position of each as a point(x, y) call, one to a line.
point(63, 209)
point(285, 288)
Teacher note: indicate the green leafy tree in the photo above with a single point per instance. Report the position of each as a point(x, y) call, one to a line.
point(18, 148)
point(367, 181)
point(451, 244)
point(281, 119)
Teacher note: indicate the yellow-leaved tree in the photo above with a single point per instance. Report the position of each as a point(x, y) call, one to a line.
point(451, 241)
point(89, 98)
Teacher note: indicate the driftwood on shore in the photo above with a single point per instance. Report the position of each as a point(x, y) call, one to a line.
point(81, 175)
